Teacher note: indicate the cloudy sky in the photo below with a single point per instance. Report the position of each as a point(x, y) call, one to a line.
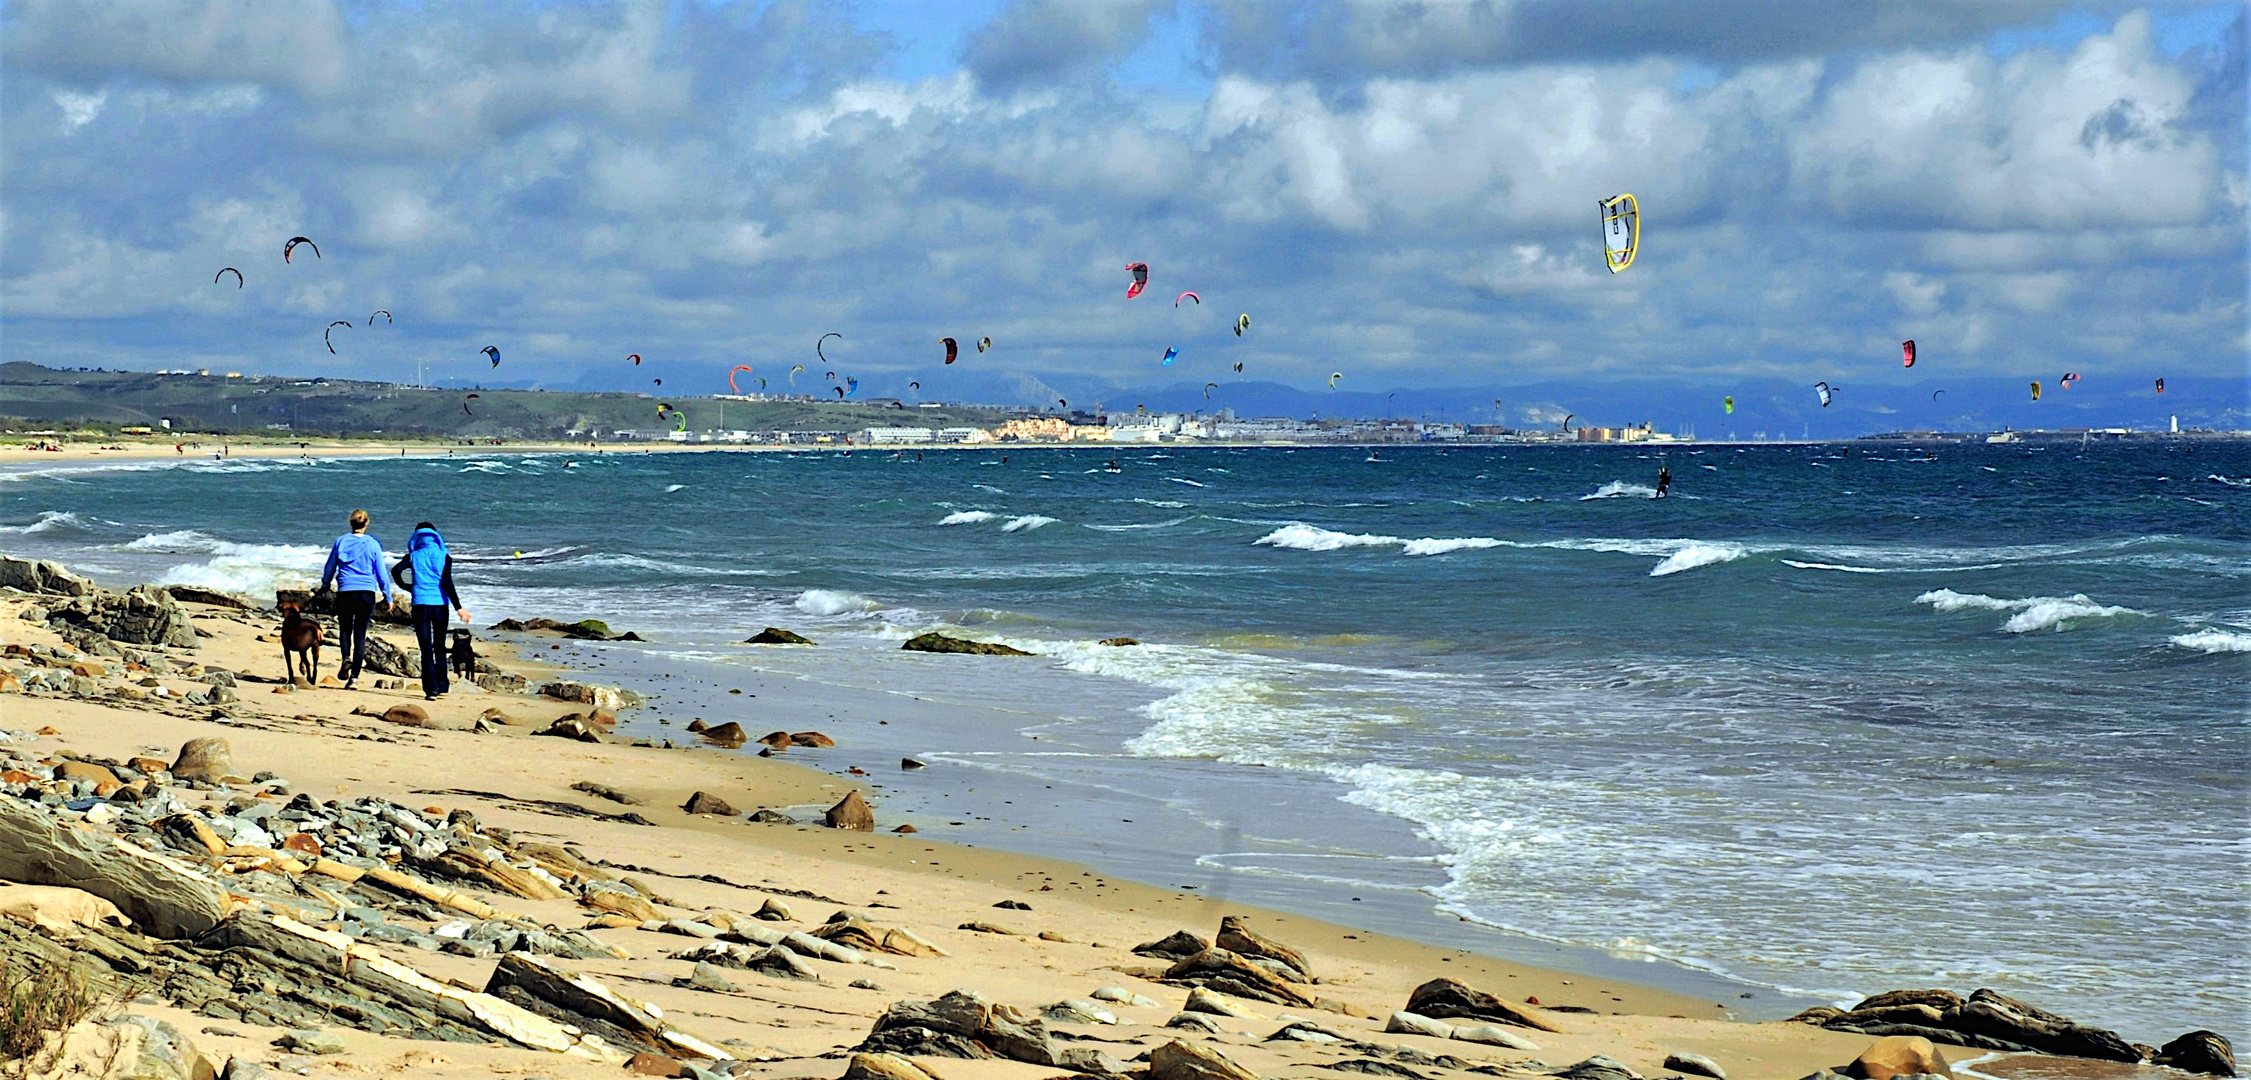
point(1405, 192)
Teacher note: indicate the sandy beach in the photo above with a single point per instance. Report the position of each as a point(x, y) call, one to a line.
point(1049, 931)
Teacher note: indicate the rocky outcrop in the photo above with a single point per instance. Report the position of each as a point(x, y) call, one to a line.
point(1178, 945)
point(601, 697)
point(729, 735)
point(145, 615)
point(1681, 1061)
point(1448, 998)
point(192, 594)
point(703, 802)
point(163, 897)
point(576, 730)
point(962, 1024)
point(935, 642)
point(1117, 642)
point(851, 812)
point(2206, 1052)
point(1986, 1019)
point(208, 759)
point(1237, 937)
point(40, 576)
point(1177, 1060)
point(774, 635)
point(582, 630)
point(584, 1003)
point(1222, 971)
point(1898, 1055)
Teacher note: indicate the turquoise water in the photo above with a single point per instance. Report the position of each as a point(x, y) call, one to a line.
point(1831, 719)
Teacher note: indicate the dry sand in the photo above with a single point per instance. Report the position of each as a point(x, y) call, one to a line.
point(312, 738)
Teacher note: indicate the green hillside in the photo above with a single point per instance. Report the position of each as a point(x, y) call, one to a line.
point(32, 396)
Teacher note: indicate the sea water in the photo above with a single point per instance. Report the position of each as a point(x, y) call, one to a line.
point(1830, 719)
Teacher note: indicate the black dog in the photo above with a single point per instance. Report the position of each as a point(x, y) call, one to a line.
point(464, 656)
point(300, 643)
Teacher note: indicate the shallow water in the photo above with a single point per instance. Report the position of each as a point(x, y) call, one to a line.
point(1830, 719)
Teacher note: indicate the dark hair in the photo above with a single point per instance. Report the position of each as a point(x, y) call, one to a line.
point(424, 525)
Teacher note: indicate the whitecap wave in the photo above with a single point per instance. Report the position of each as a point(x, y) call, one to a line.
point(2212, 640)
point(1026, 522)
point(1299, 537)
point(50, 522)
point(1620, 489)
point(1440, 546)
point(1169, 504)
point(1184, 480)
point(967, 517)
point(2244, 482)
point(670, 488)
point(2032, 612)
point(833, 602)
point(1695, 555)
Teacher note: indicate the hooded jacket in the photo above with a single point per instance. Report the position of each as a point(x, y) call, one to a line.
point(432, 564)
point(355, 564)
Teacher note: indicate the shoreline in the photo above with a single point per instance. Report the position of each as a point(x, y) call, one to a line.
point(502, 777)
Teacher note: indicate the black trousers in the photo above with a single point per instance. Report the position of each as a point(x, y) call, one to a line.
point(354, 610)
point(430, 621)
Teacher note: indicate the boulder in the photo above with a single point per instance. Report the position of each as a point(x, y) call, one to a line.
point(409, 715)
point(58, 910)
point(1598, 1067)
point(1177, 1060)
point(384, 658)
point(152, 1049)
point(707, 977)
point(2206, 1052)
point(934, 642)
point(851, 812)
point(85, 771)
point(1681, 1061)
point(584, 1003)
point(207, 759)
point(145, 615)
point(778, 740)
point(881, 1066)
point(1448, 998)
point(774, 635)
point(703, 802)
point(192, 594)
point(1223, 971)
point(604, 791)
point(1898, 1055)
point(2002, 1017)
point(1195, 1021)
point(1494, 1035)
point(813, 739)
point(41, 576)
point(1204, 1001)
point(601, 697)
point(1078, 1011)
point(771, 817)
point(774, 911)
point(1179, 945)
point(729, 734)
point(578, 730)
point(319, 1043)
point(163, 897)
point(645, 1064)
point(1237, 937)
point(909, 764)
point(1407, 1023)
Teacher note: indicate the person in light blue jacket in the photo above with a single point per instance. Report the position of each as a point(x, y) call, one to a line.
point(355, 568)
point(432, 568)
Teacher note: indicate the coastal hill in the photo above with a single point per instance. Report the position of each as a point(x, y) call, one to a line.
point(216, 402)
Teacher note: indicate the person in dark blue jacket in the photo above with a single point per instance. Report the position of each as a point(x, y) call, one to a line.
point(432, 568)
point(355, 566)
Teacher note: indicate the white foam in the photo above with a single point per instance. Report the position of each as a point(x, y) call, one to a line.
point(2032, 612)
point(1183, 480)
point(833, 602)
point(1301, 537)
point(2210, 640)
point(1619, 489)
point(1695, 555)
point(1436, 546)
point(1026, 522)
point(1168, 504)
point(2230, 481)
point(967, 517)
point(670, 488)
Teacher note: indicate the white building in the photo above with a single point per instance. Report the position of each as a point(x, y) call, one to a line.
point(895, 435)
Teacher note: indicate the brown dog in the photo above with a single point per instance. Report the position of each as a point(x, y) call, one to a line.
point(300, 641)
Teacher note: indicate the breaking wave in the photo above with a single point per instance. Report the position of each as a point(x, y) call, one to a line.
point(1026, 522)
point(967, 517)
point(1619, 489)
point(833, 602)
point(2032, 612)
point(1695, 555)
point(2213, 641)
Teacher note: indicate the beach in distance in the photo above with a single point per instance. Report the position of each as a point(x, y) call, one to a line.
point(1785, 737)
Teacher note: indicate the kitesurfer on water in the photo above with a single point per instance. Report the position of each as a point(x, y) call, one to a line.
point(1664, 479)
